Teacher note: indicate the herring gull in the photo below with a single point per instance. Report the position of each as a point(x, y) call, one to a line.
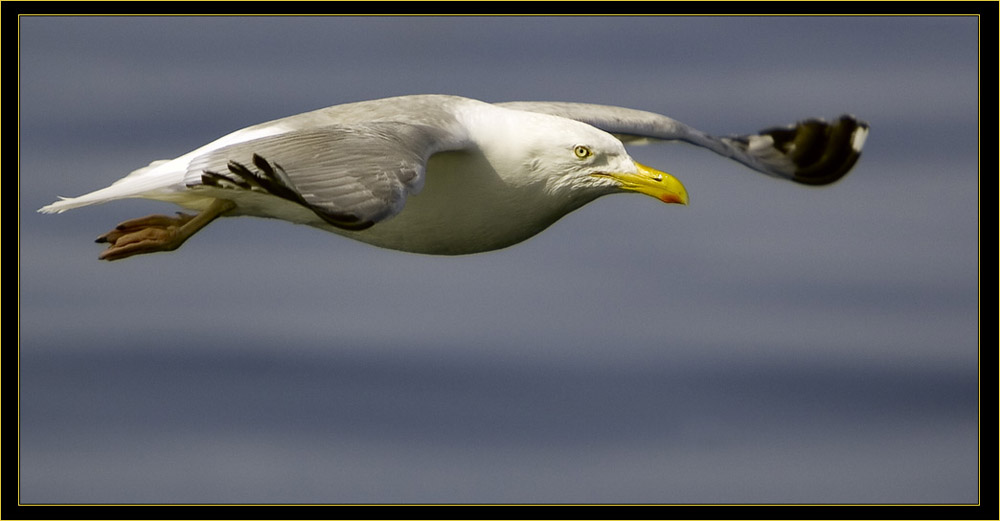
point(441, 174)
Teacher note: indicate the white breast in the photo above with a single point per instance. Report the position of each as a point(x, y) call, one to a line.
point(464, 207)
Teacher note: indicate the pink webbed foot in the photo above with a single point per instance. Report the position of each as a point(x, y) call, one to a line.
point(156, 233)
point(148, 234)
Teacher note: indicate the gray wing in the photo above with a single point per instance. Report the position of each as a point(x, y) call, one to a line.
point(350, 176)
point(811, 152)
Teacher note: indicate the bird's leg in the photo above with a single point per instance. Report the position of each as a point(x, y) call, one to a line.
point(155, 233)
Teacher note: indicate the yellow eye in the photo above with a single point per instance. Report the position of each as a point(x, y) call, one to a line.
point(582, 151)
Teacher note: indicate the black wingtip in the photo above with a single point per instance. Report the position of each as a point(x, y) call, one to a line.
point(822, 152)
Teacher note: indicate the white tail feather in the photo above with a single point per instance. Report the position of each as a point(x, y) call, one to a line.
point(137, 184)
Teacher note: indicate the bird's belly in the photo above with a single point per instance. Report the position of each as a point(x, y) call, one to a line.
point(443, 233)
point(464, 207)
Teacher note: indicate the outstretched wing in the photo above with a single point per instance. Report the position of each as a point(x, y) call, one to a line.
point(350, 176)
point(811, 152)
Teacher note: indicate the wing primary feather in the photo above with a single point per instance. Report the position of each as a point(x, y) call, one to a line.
point(275, 174)
point(276, 182)
point(216, 179)
point(822, 152)
point(246, 175)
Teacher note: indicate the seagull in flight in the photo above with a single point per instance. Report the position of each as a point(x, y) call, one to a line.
point(445, 175)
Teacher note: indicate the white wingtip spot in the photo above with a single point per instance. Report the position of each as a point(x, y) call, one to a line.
point(858, 139)
point(757, 143)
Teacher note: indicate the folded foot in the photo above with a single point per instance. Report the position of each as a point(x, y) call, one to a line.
point(155, 233)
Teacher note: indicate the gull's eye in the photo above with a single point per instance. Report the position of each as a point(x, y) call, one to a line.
point(582, 152)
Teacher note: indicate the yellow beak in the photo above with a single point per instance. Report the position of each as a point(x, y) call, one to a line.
point(653, 183)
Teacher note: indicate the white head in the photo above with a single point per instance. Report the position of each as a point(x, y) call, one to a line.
point(576, 161)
